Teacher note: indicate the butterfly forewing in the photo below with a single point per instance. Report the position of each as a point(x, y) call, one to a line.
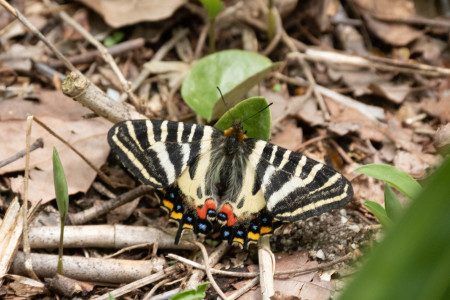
point(157, 152)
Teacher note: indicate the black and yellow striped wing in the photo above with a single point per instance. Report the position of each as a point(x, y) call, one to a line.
point(157, 152)
point(206, 175)
point(296, 187)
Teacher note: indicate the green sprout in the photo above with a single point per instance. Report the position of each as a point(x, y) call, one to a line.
point(62, 200)
point(213, 7)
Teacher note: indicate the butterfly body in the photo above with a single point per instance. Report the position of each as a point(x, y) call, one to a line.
point(209, 175)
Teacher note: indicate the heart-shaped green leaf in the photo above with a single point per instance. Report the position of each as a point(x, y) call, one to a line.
point(255, 115)
point(235, 72)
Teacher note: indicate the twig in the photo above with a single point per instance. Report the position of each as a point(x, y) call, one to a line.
point(89, 214)
point(214, 257)
point(123, 250)
point(312, 82)
point(99, 172)
point(335, 57)
point(208, 271)
point(25, 239)
point(244, 289)
point(372, 112)
point(35, 31)
point(140, 283)
point(105, 54)
point(341, 152)
point(113, 50)
point(276, 39)
point(317, 268)
point(159, 55)
point(214, 271)
point(201, 41)
point(266, 267)
point(311, 141)
point(154, 288)
point(39, 143)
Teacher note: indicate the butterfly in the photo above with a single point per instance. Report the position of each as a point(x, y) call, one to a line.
point(205, 176)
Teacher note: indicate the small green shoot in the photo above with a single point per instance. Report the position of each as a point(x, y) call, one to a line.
point(271, 22)
point(402, 181)
point(379, 212)
point(198, 294)
point(115, 38)
point(62, 200)
point(213, 7)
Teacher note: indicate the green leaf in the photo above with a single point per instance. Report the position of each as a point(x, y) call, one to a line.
point(256, 118)
point(61, 190)
point(213, 7)
point(379, 212)
point(413, 260)
point(113, 39)
point(235, 72)
point(400, 180)
point(393, 207)
point(198, 294)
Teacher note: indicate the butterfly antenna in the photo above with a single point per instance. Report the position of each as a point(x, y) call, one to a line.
point(259, 111)
point(226, 106)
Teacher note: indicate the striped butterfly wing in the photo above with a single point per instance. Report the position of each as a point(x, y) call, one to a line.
point(296, 187)
point(157, 152)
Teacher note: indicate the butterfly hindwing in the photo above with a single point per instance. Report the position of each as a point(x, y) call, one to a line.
point(296, 187)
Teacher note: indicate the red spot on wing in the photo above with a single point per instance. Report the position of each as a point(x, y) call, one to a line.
point(203, 210)
point(228, 210)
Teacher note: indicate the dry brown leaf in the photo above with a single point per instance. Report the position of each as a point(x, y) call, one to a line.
point(397, 8)
point(442, 138)
point(87, 136)
point(393, 34)
point(310, 113)
point(395, 93)
point(19, 57)
point(46, 102)
point(291, 137)
point(411, 164)
point(118, 13)
point(439, 108)
point(346, 119)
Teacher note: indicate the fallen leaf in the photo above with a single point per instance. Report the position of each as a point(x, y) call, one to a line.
point(411, 164)
point(397, 8)
point(439, 108)
point(310, 113)
point(290, 137)
point(46, 102)
point(119, 13)
point(390, 91)
point(393, 34)
point(87, 136)
point(346, 119)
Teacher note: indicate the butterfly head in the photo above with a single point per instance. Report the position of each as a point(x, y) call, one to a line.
point(236, 131)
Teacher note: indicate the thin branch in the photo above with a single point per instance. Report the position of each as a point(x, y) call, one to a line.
point(89, 214)
point(208, 271)
point(39, 143)
point(25, 238)
point(35, 31)
point(105, 54)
